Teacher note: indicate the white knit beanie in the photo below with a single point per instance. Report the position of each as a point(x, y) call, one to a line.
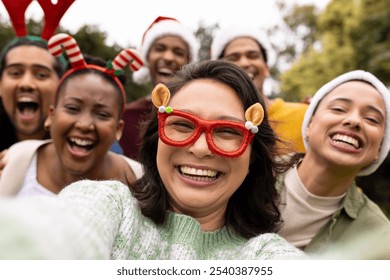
point(224, 36)
point(349, 76)
point(164, 26)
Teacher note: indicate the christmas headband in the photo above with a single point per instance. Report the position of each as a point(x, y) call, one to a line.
point(254, 116)
point(52, 12)
point(114, 68)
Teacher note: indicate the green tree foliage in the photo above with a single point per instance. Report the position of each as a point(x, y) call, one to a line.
point(329, 53)
point(294, 36)
point(372, 38)
point(299, 30)
point(347, 35)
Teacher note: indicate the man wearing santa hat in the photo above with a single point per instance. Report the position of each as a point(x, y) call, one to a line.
point(167, 45)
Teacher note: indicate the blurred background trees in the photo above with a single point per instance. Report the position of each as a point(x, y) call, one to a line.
point(310, 47)
point(347, 35)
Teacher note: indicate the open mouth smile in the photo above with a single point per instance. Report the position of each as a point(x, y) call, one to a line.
point(80, 144)
point(27, 106)
point(205, 175)
point(346, 140)
point(166, 72)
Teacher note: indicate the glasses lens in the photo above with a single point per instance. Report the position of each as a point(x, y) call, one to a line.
point(178, 128)
point(227, 138)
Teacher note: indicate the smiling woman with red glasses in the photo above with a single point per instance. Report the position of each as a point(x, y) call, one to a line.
point(207, 192)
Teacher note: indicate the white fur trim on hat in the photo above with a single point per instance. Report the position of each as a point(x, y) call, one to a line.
point(142, 76)
point(160, 29)
point(354, 75)
point(226, 35)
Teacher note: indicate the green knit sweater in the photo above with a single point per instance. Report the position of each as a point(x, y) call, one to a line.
point(101, 220)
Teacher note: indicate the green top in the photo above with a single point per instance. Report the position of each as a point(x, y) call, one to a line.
point(101, 220)
point(358, 215)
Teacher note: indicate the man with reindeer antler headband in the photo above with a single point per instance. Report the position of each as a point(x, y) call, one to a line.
point(29, 74)
point(84, 122)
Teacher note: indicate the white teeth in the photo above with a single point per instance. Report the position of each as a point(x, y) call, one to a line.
point(251, 75)
point(346, 139)
point(165, 71)
point(81, 142)
point(26, 99)
point(198, 172)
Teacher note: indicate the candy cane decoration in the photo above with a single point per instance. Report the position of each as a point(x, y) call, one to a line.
point(64, 41)
point(129, 57)
point(71, 48)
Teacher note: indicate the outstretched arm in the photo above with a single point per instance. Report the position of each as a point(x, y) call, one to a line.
point(81, 223)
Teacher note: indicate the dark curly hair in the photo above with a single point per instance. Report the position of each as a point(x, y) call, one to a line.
point(252, 208)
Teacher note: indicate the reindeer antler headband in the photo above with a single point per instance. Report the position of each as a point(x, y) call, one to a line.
point(185, 128)
point(160, 96)
point(126, 57)
point(53, 14)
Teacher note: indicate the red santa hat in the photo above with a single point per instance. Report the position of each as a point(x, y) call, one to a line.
point(160, 27)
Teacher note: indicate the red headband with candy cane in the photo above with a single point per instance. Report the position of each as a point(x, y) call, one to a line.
point(53, 14)
point(126, 57)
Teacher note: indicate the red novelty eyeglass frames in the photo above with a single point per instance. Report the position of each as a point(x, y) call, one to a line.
point(224, 137)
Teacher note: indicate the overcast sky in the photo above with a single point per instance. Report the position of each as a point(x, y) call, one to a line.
point(126, 20)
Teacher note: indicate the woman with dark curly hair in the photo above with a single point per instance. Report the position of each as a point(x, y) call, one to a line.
point(207, 192)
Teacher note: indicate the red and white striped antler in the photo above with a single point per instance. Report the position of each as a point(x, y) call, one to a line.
point(71, 47)
point(129, 57)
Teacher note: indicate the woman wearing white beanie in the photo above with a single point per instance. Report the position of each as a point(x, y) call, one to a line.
point(346, 131)
point(249, 48)
point(167, 45)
